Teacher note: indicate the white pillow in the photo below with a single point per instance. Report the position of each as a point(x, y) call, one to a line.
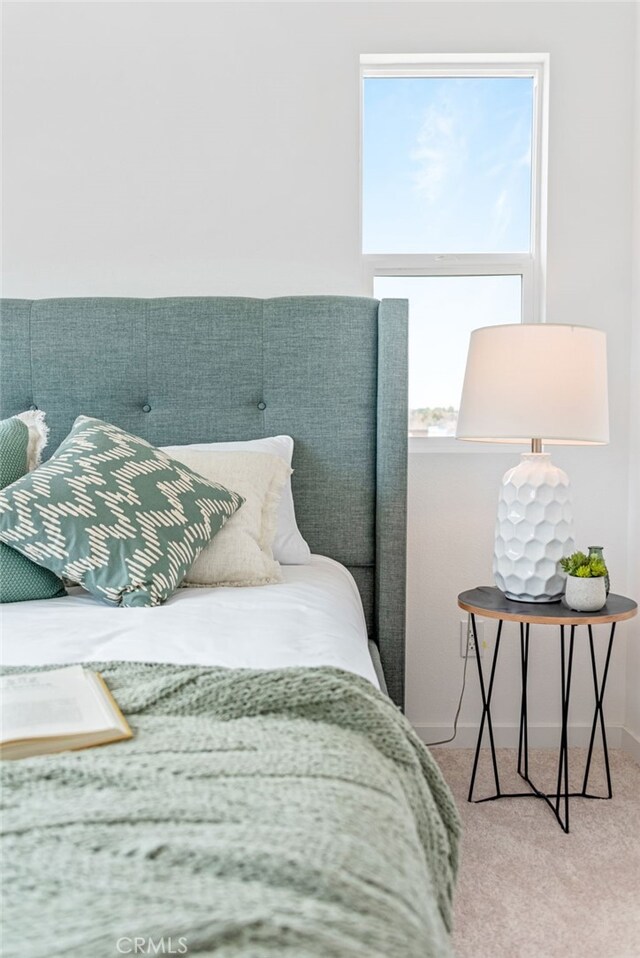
point(242, 556)
point(34, 419)
point(289, 548)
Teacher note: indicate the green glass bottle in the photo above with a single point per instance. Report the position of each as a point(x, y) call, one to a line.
point(597, 552)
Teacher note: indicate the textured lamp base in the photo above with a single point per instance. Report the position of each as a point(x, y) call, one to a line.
point(534, 530)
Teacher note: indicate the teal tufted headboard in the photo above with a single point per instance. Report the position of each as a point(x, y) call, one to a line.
point(329, 371)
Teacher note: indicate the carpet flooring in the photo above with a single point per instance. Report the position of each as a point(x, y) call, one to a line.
point(528, 890)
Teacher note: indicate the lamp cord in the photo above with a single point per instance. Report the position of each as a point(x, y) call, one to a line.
point(445, 741)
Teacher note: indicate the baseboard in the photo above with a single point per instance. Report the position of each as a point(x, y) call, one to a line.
point(540, 736)
point(631, 744)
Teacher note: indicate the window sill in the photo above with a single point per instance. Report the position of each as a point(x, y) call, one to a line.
point(458, 447)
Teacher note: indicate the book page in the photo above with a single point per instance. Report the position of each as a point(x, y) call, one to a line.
point(58, 702)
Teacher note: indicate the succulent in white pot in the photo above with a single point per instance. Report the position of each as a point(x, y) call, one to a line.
point(586, 588)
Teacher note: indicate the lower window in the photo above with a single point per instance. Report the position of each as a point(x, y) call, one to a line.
point(443, 311)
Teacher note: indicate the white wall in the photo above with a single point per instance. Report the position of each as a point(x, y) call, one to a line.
point(155, 149)
point(632, 718)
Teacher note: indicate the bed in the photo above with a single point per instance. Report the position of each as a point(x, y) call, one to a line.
point(274, 800)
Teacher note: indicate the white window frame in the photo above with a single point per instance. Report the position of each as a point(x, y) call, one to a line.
point(530, 266)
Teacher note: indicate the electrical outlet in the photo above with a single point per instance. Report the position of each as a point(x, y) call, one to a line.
point(466, 638)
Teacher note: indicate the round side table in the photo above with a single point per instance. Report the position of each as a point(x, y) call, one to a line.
point(489, 602)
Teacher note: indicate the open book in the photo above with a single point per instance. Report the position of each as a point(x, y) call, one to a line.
point(44, 712)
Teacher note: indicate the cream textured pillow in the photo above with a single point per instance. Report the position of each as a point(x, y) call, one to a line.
point(241, 552)
point(289, 548)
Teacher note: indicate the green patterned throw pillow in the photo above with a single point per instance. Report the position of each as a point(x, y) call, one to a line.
point(114, 514)
point(21, 440)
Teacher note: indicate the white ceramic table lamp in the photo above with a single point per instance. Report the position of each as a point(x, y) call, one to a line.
point(534, 383)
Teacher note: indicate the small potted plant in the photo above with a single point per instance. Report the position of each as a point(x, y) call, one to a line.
point(585, 590)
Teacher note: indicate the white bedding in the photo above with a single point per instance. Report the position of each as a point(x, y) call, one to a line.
point(313, 618)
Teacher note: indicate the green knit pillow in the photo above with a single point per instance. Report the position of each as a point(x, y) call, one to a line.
point(114, 514)
point(20, 579)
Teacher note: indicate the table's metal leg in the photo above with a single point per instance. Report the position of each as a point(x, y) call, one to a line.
point(523, 741)
point(561, 755)
point(557, 801)
point(563, 762)
point(598, 714)
point(486, 709)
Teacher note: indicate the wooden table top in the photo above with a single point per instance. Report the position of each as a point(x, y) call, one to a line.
point(489, 602)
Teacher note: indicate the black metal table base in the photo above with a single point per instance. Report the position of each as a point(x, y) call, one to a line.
point(557, 801)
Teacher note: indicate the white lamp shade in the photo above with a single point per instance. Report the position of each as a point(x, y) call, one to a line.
point(537, 380)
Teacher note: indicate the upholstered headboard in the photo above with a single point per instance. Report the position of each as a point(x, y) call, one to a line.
point(329, 371)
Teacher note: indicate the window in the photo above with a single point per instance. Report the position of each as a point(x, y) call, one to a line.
point(453, 210)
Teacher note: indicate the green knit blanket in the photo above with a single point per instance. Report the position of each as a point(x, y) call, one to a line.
point(255, 814)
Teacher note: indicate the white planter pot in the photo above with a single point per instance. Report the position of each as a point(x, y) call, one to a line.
point(585, 595)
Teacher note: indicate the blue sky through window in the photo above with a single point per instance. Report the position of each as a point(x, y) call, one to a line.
point(447, 164)
point(443, 310)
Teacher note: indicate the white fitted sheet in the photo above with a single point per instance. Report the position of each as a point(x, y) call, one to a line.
point(313, 618)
